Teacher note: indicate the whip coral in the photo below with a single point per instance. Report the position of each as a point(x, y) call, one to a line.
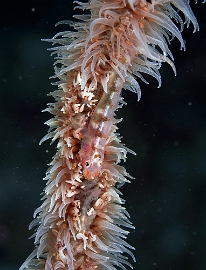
point(82, 223)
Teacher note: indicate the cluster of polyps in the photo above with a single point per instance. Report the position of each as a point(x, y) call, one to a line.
point(81, 221)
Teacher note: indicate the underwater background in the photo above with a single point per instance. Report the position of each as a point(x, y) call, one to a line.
point(167, 130)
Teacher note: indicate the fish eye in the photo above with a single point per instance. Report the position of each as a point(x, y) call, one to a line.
point(87, 163)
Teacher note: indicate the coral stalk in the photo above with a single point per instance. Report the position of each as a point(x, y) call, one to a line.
point(82, 223)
